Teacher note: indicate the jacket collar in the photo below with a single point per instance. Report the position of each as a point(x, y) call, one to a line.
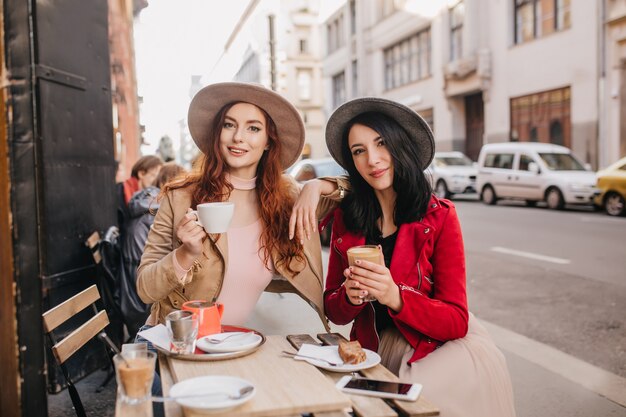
point(409, 243)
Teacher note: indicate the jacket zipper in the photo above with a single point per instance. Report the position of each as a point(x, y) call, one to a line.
point(419, 274)
point(375, 329)
point(339, 253)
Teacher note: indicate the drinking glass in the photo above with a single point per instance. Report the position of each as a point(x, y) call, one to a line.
point(134, 371)
point(371, 253)
point(182, 327)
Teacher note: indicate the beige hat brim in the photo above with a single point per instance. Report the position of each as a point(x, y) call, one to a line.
point(410, 121)
point(207, 103)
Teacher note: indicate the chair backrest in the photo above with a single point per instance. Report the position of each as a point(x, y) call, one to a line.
point(58, 315)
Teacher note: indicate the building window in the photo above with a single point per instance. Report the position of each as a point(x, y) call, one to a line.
point(334, 31)
point(355, 79)
point(537, 18)
point(457, 14)
point(542, 117)
point(304, 47)
point(352, 17)
point(408, 60)
point(304, 84)
point(339, 89)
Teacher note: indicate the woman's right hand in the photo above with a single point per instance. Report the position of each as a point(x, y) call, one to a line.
point(353, 292)
point(191, 235)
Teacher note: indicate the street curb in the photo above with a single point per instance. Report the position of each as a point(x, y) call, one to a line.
point(598, 380)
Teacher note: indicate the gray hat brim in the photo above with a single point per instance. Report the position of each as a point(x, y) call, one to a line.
point(207, 103)
point(411, 122)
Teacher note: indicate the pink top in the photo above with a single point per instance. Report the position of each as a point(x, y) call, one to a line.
point(246, 275)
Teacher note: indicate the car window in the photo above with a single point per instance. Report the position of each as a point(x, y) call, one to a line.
point(524, 160)
point(462, 161)
point(561, 162)
point(499, 160)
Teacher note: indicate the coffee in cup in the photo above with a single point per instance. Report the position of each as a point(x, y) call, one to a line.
point(370, 253)
point(215, 217)
point(135, 372)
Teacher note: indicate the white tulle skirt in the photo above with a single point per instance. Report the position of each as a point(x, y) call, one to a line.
point(465, 377)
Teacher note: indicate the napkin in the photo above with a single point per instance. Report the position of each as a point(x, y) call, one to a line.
point(330, 353)
point(158, 336)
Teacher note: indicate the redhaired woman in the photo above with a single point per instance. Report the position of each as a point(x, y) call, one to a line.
point(248, 135)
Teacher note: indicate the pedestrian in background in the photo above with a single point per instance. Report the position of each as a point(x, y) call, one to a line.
point(143, 174)
point(248, 135)
point(419, 321)
point(142, 208)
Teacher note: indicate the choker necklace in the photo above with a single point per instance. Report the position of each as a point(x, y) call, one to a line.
point(240, 183)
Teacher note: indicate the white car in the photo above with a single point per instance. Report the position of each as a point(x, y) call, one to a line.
point(452, 173)
point(534, 172)
point(308, 169)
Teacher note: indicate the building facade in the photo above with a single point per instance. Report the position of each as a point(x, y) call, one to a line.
point(127, 130)
point(614, 92)
point(283, 52)
point(478, 71)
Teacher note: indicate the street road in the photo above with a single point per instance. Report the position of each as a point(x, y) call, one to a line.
point(557, 277)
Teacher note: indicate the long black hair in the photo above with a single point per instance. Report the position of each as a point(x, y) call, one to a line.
point(413, 190)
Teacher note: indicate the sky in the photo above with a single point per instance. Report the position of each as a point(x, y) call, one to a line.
point(175, 39)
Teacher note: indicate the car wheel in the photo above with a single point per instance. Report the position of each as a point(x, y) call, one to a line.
point(614, 204)
point(488, 195)
point(554, 198)
point(531, 203)
point(441, 190)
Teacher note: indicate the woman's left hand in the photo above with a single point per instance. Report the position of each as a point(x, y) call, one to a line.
point(303, 220)
point(377, 281)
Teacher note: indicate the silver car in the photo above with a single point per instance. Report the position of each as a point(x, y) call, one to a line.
point(452, 173)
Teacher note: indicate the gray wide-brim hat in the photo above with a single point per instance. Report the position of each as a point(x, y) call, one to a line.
point(207, 103)
point(410, 121)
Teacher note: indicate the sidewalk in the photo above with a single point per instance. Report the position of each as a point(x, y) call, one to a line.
point(546, 382)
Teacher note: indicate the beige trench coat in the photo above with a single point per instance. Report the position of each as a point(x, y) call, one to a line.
point(157, 282)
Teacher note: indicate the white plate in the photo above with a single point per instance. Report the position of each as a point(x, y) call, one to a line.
point(371, 359)
point(236, 342)
point(210, 384)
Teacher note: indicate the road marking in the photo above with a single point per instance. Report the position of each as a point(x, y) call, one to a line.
point(531, 255)
point(606, 220)
point(589, 376)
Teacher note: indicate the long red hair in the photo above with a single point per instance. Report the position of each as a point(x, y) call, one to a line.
point(208, 183)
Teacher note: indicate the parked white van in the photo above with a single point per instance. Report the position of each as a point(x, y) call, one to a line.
point(534, 172)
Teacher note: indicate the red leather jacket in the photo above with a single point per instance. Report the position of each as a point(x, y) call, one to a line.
point(428, 264)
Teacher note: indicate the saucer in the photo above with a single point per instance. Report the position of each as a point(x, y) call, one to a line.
point(211, 384)
point(233, 342)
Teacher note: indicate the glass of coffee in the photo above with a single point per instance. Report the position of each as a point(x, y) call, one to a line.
point(370, 253)
point(134, 371)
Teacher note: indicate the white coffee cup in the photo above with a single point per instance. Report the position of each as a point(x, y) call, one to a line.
point(215, 217)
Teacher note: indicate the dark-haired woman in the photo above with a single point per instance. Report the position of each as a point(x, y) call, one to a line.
point(248, 135)
point(419, 322)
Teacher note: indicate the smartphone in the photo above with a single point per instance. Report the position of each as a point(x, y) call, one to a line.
point(384, 389)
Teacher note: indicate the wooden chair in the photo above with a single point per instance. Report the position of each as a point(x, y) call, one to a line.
point(65, 348)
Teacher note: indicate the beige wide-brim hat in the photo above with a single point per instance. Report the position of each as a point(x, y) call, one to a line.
point(410, 121)
point(207, 103)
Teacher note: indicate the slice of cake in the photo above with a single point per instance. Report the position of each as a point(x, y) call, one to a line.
point(351, 352)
